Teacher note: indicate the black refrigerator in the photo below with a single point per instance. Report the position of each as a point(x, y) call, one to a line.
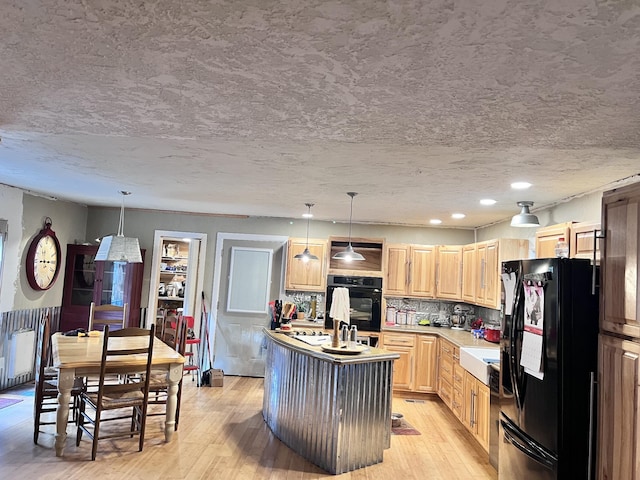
point(548, 364)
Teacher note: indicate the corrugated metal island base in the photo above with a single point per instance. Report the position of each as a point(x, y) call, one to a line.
point(334, 410)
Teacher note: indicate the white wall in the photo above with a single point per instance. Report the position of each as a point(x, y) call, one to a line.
point(25, 216)
point(11, 211)
point(583, 209)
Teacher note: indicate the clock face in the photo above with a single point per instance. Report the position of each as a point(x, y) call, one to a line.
point(43, 260)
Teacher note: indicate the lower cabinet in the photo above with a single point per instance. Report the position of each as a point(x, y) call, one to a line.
point(448, 355)
point(476, 409)
point(415, 370)
point(619, 418)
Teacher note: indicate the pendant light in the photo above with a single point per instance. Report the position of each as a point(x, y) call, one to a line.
point(307, 255)
point(525, 218)
point(119, 248)
point(349, 254)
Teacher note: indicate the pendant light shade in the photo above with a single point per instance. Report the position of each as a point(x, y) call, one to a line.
point(306, 255)
point(118, 248)
point(525, 218)
point(349, 254)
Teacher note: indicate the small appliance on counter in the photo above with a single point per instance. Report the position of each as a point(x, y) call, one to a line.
point(492, 333)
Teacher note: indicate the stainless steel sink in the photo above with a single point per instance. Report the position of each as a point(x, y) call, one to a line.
point(477, 361)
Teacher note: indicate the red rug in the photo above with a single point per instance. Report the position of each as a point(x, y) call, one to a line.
point(7, 402)
point(404, 429)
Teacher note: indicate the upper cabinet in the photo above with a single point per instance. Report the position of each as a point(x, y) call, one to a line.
point(308, 276)
point(470, 273)
point(469, 268)
point(489, 258)
point(620, 264)
point(584, 242)
point(410, 270)
point(547, 238)
point(87, 281)
point(449, 272)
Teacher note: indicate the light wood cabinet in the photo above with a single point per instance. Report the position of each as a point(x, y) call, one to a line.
point(469, 272)
point(404, 345)
point(449, 272)
point(619, 418)
point(415, 370)
point(448, 355)
point(620, 265)
point(547, 238)
point(306, 276)
point(426, 361)
point(481, 265)
point(410, 270)
point(397, 269)
point(476, 409)
point(581, 241)
point(457, 403)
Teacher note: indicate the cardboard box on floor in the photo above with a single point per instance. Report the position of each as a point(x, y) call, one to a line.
point(213, 377)
point(217, 377)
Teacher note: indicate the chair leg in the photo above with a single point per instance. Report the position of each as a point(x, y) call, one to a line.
point(79, 424)
point(37, 408)
point(96, 434)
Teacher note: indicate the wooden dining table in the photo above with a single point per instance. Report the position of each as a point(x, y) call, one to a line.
point(80, 357)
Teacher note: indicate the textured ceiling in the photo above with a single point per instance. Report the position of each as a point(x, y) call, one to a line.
point(257, 107)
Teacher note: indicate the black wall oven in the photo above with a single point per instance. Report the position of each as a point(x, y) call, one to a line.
point(365, 300)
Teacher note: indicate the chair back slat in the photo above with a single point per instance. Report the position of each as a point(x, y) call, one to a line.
point(113, 315)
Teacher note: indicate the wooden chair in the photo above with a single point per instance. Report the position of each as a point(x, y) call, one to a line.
point(119, 395)
point(46, 384)
point(175, 335)
point(113, 315)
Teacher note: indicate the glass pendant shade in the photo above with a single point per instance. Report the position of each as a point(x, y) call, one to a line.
point(525, 218)
point(349, 254)
point(118, 248)
point(306, 255)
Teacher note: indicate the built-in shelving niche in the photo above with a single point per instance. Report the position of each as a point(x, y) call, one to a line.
point(371, 249)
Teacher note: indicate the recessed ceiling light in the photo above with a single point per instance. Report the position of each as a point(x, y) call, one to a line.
point(487, 201)
point(520, 185)
point(435, 221)
point(458, 215)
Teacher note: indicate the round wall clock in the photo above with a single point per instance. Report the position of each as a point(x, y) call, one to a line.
point(43, 258)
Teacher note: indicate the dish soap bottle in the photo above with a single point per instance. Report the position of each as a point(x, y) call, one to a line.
point(562, 248)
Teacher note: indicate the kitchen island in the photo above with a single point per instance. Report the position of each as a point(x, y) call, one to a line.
point(334, 410)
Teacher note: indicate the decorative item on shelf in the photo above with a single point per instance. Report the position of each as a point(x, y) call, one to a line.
point(306, 255)
point(349, 254)
point(525, 218)
point(118, 248)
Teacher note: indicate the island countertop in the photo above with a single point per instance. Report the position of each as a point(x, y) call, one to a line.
point(371, 354)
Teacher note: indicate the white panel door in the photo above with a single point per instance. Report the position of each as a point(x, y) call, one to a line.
point(239, 340)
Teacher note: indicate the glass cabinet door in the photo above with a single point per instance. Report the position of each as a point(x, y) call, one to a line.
point(84, 277)
point(112, 289)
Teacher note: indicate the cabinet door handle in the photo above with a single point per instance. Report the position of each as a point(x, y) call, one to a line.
point(472, 416)
point(408, 276)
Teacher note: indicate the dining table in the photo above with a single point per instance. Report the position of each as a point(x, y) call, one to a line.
point(81, 357)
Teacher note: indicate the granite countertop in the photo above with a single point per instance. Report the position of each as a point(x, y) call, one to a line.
point(461, 338)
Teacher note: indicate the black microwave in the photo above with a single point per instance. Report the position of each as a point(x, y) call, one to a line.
point(365, 301)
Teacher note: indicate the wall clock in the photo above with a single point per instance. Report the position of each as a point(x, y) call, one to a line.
point(43, 258)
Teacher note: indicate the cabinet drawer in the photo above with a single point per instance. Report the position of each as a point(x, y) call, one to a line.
point(446, 369)
point(458, 377)
point(457, 403)
point(445, 392)
point(446, 349)
point(399, 339)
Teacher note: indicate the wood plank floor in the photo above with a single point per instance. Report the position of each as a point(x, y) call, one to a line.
point(222, 435)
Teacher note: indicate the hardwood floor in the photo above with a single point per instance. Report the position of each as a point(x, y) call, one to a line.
point(222, 435)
